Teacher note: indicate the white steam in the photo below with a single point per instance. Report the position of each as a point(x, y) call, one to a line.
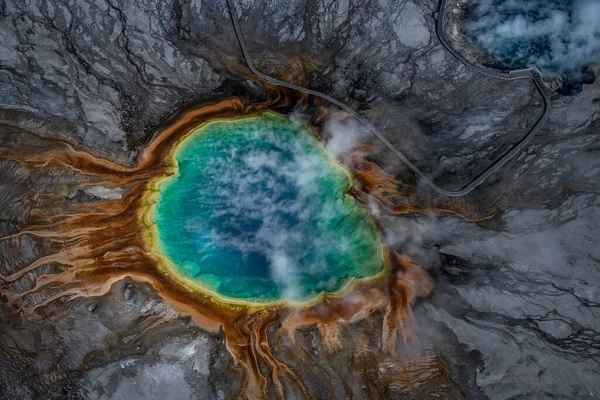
point(558, 35)
point(343, 135)
point(285, 274)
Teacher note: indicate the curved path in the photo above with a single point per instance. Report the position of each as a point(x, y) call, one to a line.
point(517, 147)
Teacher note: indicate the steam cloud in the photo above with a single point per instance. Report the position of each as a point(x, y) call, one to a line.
point(343, 135)
point(559, 36)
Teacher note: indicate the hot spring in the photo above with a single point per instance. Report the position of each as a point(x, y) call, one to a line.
point(558, 36)
point(257, 211)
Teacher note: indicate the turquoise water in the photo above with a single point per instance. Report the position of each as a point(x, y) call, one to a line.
point(259, 211)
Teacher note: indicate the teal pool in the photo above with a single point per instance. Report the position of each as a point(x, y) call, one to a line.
point(258, 211)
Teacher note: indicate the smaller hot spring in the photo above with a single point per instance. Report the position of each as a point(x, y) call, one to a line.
point(557, 36)
point(257, 211)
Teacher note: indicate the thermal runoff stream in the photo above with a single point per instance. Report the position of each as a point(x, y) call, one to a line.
point(258, 211)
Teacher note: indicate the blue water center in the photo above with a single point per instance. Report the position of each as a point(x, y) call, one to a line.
point(560, 36)
point(259, 211)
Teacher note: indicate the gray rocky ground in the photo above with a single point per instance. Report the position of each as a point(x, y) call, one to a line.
point(516, 307)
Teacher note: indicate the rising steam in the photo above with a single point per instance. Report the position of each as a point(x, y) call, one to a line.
point(559, 36)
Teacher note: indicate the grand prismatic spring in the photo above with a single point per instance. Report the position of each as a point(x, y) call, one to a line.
point(257, 210)
point(236, 216)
